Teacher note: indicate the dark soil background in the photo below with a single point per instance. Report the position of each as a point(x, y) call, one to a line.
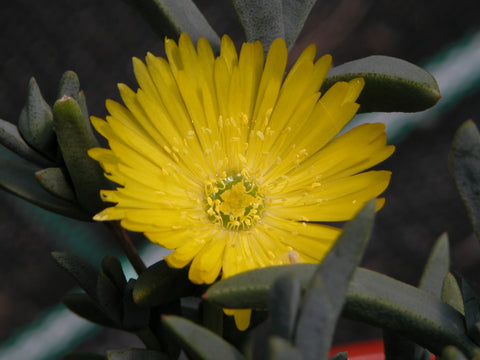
point(97, 39)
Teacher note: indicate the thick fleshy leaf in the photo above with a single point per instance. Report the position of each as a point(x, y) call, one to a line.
point(170, 18)
point(281, 349)
point(160, 284)
point(19, 179)
point(10, 138)
point(391, 84)
point(109, 298)
point(413, 313)
point(69, 85)
point(135, 354)
point(464, 164)
point(134, 316)
point(325, 294)
point(472, 312)
point(437, 267)
point(372, 297)
point(36, 122)
point(200, 343)
point(452, 294)
point(295, 14)
point(83, 106)
point(261, 20)
point(284, 305)
point(112, 267)
point(53, 180)
point(82, 271)
point(75, 139)
point(84, 306)
point(266, 20)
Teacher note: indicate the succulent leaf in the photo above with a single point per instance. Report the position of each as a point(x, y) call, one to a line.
point(198, 342)
point(35, 123)
point(11, 138)
point(85, 307)
point(53, 180)
point(75, 139)
point(325, 294)
point(170, 18)
point(160, 284)
point(464, 162)
point(391, 84)
point(19, 179)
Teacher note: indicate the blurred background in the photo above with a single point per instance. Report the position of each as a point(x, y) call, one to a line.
point(97, 40)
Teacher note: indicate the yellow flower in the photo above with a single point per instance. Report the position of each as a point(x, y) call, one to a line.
point(234, 164)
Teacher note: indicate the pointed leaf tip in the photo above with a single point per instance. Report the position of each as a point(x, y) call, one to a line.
point(437, 267)
point(82, 271)
point(53, 180)
point(36, 122)
point(69, 86)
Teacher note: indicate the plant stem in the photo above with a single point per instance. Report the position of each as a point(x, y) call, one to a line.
point(127, 246)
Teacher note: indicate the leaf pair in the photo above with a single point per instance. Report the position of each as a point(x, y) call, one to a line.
point(57, 173)
point(108, 296)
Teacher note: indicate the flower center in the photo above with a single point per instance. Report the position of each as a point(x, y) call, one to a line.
point(234, 202)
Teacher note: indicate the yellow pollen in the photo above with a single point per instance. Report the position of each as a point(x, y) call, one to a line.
point(234, 202)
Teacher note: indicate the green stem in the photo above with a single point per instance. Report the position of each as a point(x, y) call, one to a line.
point(127, 246)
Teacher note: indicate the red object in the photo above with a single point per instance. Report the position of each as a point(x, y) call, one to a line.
point(365, 350)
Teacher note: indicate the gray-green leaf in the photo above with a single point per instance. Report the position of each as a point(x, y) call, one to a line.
point(452, 294)
point(84, 306)
point(464, 162)
point(281, 349)
point(36, 123)
point(267, 20)
point(10, 138)
point(112, 267)
point(82, 271)
point(160, 284)
point(284, 306)
point(200, 343)
point(69, 85)
point(53, 180)
point(19, 179)
point(324, 296)
point(372, 297)
point(261, 20)
point(391, 84)
point(437, 267)
point(75, 139)
point(170, 18)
